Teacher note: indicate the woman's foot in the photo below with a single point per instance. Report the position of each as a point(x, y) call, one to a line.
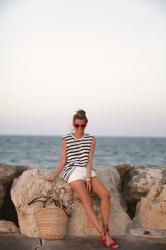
point(110, 242)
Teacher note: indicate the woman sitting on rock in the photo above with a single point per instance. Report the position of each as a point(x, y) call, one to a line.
point(76, 162)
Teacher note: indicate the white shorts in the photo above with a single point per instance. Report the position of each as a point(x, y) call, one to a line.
point(79, 173)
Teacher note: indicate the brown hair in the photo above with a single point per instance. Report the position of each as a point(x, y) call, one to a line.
point(81, 115)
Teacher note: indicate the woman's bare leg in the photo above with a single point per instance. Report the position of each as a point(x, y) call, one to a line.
point(80, 188)
point(99, 188)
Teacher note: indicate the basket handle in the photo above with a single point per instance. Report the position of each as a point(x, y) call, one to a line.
point(38, 199)
point(57, 205)
point(48, 200)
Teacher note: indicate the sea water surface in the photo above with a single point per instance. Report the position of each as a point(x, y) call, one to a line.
point(44, 151)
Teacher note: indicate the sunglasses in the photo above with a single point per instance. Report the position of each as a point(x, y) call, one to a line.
point(79, 125)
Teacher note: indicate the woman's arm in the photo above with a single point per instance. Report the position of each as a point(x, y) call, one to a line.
point(60, 164)
point(90, 161)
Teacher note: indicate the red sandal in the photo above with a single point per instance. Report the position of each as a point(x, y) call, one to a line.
point(113, 244)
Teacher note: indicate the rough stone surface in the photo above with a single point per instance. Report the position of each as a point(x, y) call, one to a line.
point(8, 227)
point(151, 212)
point(138, 180)
point(7, 175)
point(29, 186)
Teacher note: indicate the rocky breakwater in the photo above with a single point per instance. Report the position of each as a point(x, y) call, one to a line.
point(29, 186)
point(138, 200)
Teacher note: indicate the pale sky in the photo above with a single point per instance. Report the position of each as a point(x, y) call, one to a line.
point(107, 57)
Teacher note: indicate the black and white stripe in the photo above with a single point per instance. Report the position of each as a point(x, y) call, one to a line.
point(77, 153)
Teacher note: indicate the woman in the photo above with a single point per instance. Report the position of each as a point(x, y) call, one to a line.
point(77, 164)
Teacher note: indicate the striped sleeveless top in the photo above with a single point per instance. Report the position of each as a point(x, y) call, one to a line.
point(77, 153)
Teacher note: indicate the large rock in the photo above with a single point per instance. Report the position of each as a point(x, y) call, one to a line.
point(29, 186)
point(8, 227)
point(137, 181)
point(7, 175)
point(151, 212)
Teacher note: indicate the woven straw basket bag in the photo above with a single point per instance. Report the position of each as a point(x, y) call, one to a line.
point(52, 221)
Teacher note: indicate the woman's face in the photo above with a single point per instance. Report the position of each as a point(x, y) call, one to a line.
point(79, 125)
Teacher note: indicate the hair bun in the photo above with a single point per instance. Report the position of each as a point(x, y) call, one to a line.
point(81, 112)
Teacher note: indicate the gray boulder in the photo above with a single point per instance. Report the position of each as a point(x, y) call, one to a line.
point(7, 175)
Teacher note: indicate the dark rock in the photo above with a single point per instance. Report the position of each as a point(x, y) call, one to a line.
point(136, 181)
point(7, 175)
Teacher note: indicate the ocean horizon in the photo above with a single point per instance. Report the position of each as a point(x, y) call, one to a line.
point(43, 151)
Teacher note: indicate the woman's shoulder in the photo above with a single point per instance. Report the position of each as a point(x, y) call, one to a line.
point(90, 136)
point(66, 136)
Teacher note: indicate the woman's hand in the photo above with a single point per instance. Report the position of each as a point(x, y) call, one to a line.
point(89, 184)
point(88, 179)
point(88, 171)
point(47, 178)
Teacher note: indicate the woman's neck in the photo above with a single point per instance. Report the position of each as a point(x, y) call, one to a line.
point(78, 135)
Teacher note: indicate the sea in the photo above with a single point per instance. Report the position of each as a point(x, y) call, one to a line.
point(44, 151)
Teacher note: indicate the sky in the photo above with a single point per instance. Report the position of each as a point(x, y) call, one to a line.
point(107, 57)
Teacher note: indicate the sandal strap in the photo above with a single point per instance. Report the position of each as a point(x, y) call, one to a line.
point(102, 237)
point(106, 228)
point(113, 244)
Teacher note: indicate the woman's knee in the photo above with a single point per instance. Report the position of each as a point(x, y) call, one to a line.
point(105, 195)
point(87, 201)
